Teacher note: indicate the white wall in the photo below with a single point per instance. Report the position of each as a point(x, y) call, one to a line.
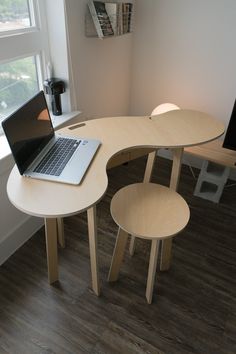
point(181, 51)
point(56, 23)
point(98, 72)
point(184, 52)
point(101, 68)
point(15, 227)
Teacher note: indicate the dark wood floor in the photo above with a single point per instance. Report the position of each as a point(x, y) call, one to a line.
point(194, 303)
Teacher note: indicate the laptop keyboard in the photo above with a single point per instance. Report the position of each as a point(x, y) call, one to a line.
point(56, 159)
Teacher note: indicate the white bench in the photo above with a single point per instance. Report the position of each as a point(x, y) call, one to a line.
point(215, 169)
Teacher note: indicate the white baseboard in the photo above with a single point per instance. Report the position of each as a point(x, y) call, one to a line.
point(17, 237)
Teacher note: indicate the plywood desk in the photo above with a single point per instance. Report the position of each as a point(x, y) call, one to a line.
point(53, 201)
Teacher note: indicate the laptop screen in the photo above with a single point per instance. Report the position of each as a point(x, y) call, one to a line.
point(28, 130)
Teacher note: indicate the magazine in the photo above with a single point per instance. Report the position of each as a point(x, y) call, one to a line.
point(101, 19)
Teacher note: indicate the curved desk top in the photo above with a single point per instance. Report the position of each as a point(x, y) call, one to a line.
point(174, 129)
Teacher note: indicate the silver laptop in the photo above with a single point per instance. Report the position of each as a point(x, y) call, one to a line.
point(41, 153)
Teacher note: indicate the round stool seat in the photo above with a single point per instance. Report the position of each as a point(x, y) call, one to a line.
point(149, 210)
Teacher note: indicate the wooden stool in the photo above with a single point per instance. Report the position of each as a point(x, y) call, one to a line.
point(149, 211)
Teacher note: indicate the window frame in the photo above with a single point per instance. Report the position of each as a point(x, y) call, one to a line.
point(30, 41)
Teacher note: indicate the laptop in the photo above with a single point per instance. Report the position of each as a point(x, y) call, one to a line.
point(41, 153)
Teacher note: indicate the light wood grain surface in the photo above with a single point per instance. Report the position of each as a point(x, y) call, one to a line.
point(149, 210)
point(178, 128)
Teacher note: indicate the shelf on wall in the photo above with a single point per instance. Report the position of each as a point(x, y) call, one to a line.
point(108, 19)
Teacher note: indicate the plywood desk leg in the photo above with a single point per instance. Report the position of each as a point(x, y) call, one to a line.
point(92, 232)
point(174, 182)
point(118, 255)
point(149, 167)
point(176, 168)
point(147, 177)
point(51, 246)
point(60, 232)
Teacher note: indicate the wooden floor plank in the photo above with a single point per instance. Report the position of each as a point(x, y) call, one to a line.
point(194, 303)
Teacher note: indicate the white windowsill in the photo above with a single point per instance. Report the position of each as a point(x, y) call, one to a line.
point(5, 152)
point(59, 121)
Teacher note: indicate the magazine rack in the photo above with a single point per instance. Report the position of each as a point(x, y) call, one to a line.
point(109, 20)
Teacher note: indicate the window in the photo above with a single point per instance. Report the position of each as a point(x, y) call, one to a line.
point(24, 52)
point(18, 82)
point(15, 15)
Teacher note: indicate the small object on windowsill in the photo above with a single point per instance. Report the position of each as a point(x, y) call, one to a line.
point(54, 88)
point(65, 119)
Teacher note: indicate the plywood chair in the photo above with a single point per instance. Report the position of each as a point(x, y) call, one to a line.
point(162, 108)
point(148, 211)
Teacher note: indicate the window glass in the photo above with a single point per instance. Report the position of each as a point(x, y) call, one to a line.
point(14, 14)
point(18, 83)
point(24, 50)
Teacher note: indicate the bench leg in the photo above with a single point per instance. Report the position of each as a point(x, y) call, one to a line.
point(118, 255)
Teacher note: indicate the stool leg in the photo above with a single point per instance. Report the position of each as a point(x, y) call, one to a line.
point(152, 270)
point(146, 179)
point(118, 255)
